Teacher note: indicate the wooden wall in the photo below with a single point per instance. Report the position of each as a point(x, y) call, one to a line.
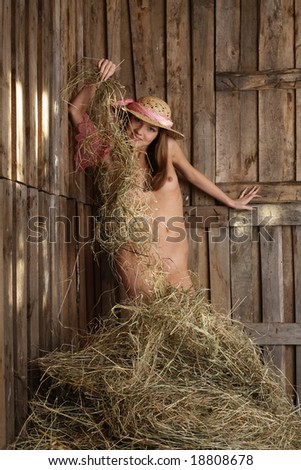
point(230, 70)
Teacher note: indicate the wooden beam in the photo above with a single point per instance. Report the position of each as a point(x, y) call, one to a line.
point(275, 333)
point(270, 192)
point(264, 215)
point(262, 80)
point(271, 215)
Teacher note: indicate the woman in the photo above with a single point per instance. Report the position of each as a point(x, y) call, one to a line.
point(160, 157)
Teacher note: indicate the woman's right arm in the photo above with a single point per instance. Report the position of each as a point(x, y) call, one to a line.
point(79, 105)
point(89, 149)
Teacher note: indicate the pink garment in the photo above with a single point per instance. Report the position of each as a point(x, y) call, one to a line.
point(133, 105)
point(160, 118)
point(90, 150)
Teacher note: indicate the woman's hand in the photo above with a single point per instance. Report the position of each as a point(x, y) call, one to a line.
point(245, 198)
point(106, 69)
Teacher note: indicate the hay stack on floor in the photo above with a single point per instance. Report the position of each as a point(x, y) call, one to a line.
point(176, 375)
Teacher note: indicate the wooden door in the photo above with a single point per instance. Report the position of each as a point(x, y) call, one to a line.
point(251, 261)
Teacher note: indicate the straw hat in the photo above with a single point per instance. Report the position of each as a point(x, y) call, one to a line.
point(152, 110)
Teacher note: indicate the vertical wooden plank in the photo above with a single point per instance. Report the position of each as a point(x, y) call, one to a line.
point(198, 260)
point(126, 74)
point(273, 286)
point(276, 40)
point(5, 90)
point(63, 229)
point(69, 304)
point(272, 275)
point(55, 104)
point(19, 93)
point(228, 131)
point(20, 313)
point(73, 314)
point(148, 53)
point(32, 93)
point(248, 36)
point(67, 316)
point(7, 413)
point(44, 93)
point(45, 275)
point(227, 35)
point(297, 286)
point(66, 158)
point(245, 278)
point(178, 67)
point(81, 269)
point(220, 268)
point(80, 29)
point(84, 244)
point(83, 185)
point(236, 50)
point(203, 98)
point(227, 50)
point(247, 160)
point(74, 189)
point(298, 92)
point(276, 107)
point(288, 303)
point(114, 11)
point(54, 249)
point(95, 22)
point(89, 262)
point(34, 238)
point(276, 135)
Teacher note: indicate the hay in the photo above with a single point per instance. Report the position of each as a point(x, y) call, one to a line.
point(175, 375)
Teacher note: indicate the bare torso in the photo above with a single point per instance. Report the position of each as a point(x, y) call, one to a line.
point(167, 260)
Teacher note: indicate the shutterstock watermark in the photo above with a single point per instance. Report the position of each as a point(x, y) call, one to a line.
point(238, 229)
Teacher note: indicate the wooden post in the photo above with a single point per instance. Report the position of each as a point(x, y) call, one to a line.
point(7, 409)
point(5, 90)
point(203, 95)
point(32, 94)
point(20, 295)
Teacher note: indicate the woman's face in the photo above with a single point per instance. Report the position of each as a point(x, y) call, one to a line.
point(141, 132)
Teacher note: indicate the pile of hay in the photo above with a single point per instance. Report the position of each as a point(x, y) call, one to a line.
point(175, 375)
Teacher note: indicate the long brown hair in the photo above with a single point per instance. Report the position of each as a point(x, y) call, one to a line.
point(157, 155)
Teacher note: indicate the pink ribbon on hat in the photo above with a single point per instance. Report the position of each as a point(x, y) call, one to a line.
point(138, 108)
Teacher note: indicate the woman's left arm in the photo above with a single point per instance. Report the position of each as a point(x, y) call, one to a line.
point(201, 181)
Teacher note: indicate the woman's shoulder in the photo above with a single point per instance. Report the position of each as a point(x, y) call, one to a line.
point(174, 149)
point(172, 144)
